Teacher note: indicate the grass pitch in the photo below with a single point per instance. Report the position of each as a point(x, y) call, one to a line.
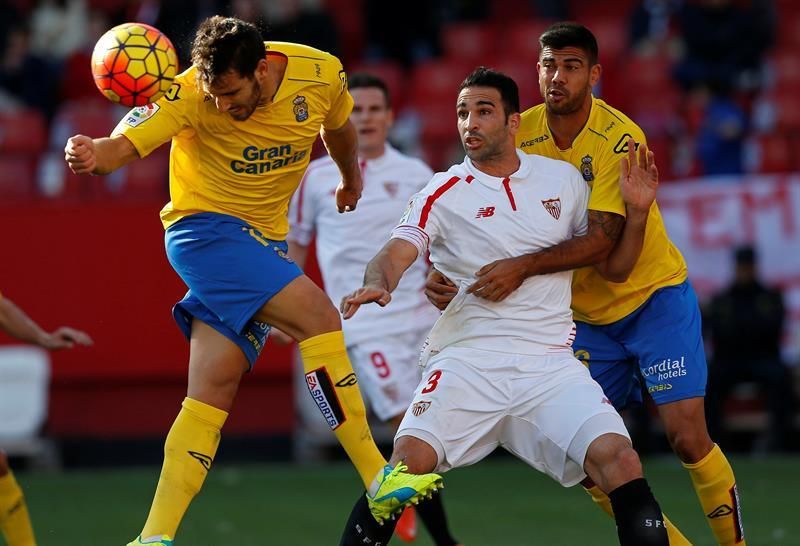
point(499, 502)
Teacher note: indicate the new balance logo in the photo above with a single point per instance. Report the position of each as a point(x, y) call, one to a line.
point(720, 511)
point(485, 212)
point(204, 460)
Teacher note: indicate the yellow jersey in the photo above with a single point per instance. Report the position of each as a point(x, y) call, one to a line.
point(596, 152)
point(251, 168)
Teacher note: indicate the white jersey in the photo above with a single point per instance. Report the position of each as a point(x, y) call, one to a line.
point(467, 219)
point(347, 242)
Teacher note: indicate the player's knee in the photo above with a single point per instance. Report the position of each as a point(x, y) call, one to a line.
point(416, 454)
point(628, 466)
point(690, 445)
point(325, 319)
point(611, 462)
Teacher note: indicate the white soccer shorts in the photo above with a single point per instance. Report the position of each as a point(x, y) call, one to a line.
point(546, 410)
point(388, 371)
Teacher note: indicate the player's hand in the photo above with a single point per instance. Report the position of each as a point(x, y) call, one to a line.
point(80, 155)
point(499, 279)
point(638, 177)
point(347, 196)
point(280, 337)
point(65, 338)
point(439, 289)
point(365, 294)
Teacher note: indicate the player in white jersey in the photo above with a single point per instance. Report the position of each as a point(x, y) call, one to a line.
point(488, 381)
point(383, 344)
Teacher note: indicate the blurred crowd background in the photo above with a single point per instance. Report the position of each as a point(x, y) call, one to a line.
point(713, 83)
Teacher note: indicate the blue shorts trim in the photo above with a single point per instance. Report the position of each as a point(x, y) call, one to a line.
point(231, 271)
point(659, 344)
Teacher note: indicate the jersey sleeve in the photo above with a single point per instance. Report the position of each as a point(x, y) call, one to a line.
point(302, 212)
point(150, 126)
point(606, 195)
point(581, 196)
point(341, 101)
point(419, 223)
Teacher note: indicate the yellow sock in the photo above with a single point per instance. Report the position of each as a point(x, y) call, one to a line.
point(333, 385)
point(188, 453)
point(715, 485)
point(14, 520)
point(676, 538)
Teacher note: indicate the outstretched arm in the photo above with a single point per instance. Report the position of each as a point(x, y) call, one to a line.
point(86, 155)
point(638, 180)
point(16, 323)
point(383, 273)
point(341, 145)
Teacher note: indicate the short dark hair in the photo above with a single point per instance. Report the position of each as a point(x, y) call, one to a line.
point(226, 43)
point(486, 77)
point(358, 80)
point(568, 34)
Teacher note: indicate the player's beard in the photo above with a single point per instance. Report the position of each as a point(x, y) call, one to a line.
point(251, 105)
point(491, 149)
point(569, 106)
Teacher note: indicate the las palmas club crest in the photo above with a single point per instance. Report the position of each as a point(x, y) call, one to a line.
point(553, 206)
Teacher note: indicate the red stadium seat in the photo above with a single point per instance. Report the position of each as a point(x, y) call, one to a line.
point(438, 80)
point(655, 117)
point(474, 42)
point(521, 39)
point(611, 39)
point(22, 131)
point(787, 109)
point(648, 74)
point(524, 73)
point(92, 117)
point(438, 119)
point(392, 74)
point(786, 66)
point(789, 27)
point(17, 177)
point(773, 154)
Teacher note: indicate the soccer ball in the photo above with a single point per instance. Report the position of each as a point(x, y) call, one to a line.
point(134, 64)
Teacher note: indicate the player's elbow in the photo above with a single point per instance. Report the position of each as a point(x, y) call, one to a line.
point(614, 275)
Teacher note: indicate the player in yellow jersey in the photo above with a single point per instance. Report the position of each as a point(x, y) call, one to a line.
point(242, 121)
point(15, 524)
point(637, 318)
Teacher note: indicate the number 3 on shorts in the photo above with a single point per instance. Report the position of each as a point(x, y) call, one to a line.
point(433, 382)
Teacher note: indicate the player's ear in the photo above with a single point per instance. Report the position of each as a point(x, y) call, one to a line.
point(594, 74)
point(261, 70)
point(513, 121)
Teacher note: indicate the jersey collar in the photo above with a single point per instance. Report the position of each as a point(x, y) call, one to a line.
point(493, 182)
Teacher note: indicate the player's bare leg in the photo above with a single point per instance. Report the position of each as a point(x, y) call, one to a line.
point(711, 473)
point(431, 512)
point(15, 524)
point(614, 466)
